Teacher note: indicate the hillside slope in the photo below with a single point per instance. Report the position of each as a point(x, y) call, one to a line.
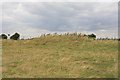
point(60, 57)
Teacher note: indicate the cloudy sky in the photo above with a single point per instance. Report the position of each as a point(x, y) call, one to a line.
point(36, 18)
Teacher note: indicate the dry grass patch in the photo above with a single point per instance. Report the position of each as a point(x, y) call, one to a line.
point(60, 57)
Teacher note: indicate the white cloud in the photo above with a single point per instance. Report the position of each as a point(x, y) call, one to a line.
point(0, 17)
point(60, 17)
point(59, 0)
point(102, 30)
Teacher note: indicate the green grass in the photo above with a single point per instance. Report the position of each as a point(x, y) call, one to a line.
point(60, 57)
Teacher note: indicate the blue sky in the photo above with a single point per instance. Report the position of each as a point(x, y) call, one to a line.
point(36, 18)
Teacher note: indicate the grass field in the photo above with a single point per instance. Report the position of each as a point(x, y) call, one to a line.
point(60, 57)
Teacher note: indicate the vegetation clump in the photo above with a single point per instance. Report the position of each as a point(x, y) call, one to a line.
point(92, 36)
point(16, 36)
point(3, 36)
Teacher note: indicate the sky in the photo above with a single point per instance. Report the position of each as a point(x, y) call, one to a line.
point(31, 19)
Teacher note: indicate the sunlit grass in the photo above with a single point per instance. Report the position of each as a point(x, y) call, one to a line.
point(60, 57)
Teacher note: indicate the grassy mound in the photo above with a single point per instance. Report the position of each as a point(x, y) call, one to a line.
point(60, 57)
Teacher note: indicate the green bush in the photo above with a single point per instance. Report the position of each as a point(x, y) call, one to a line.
point(15, 36)
point(3, 36)
point(92, 36)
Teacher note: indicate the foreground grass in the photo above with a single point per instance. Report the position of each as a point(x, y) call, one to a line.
point(60, 57)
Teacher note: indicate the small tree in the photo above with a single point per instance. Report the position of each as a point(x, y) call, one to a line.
point(3, 36)
point(92, 36)
point(16, 36)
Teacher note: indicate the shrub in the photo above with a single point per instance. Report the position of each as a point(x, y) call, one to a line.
point(118, 39)
point(92, 36)
point(84, 35)
point(3, 36)
point(15, 36)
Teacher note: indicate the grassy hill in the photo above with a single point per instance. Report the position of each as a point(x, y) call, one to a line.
point(60, 57)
